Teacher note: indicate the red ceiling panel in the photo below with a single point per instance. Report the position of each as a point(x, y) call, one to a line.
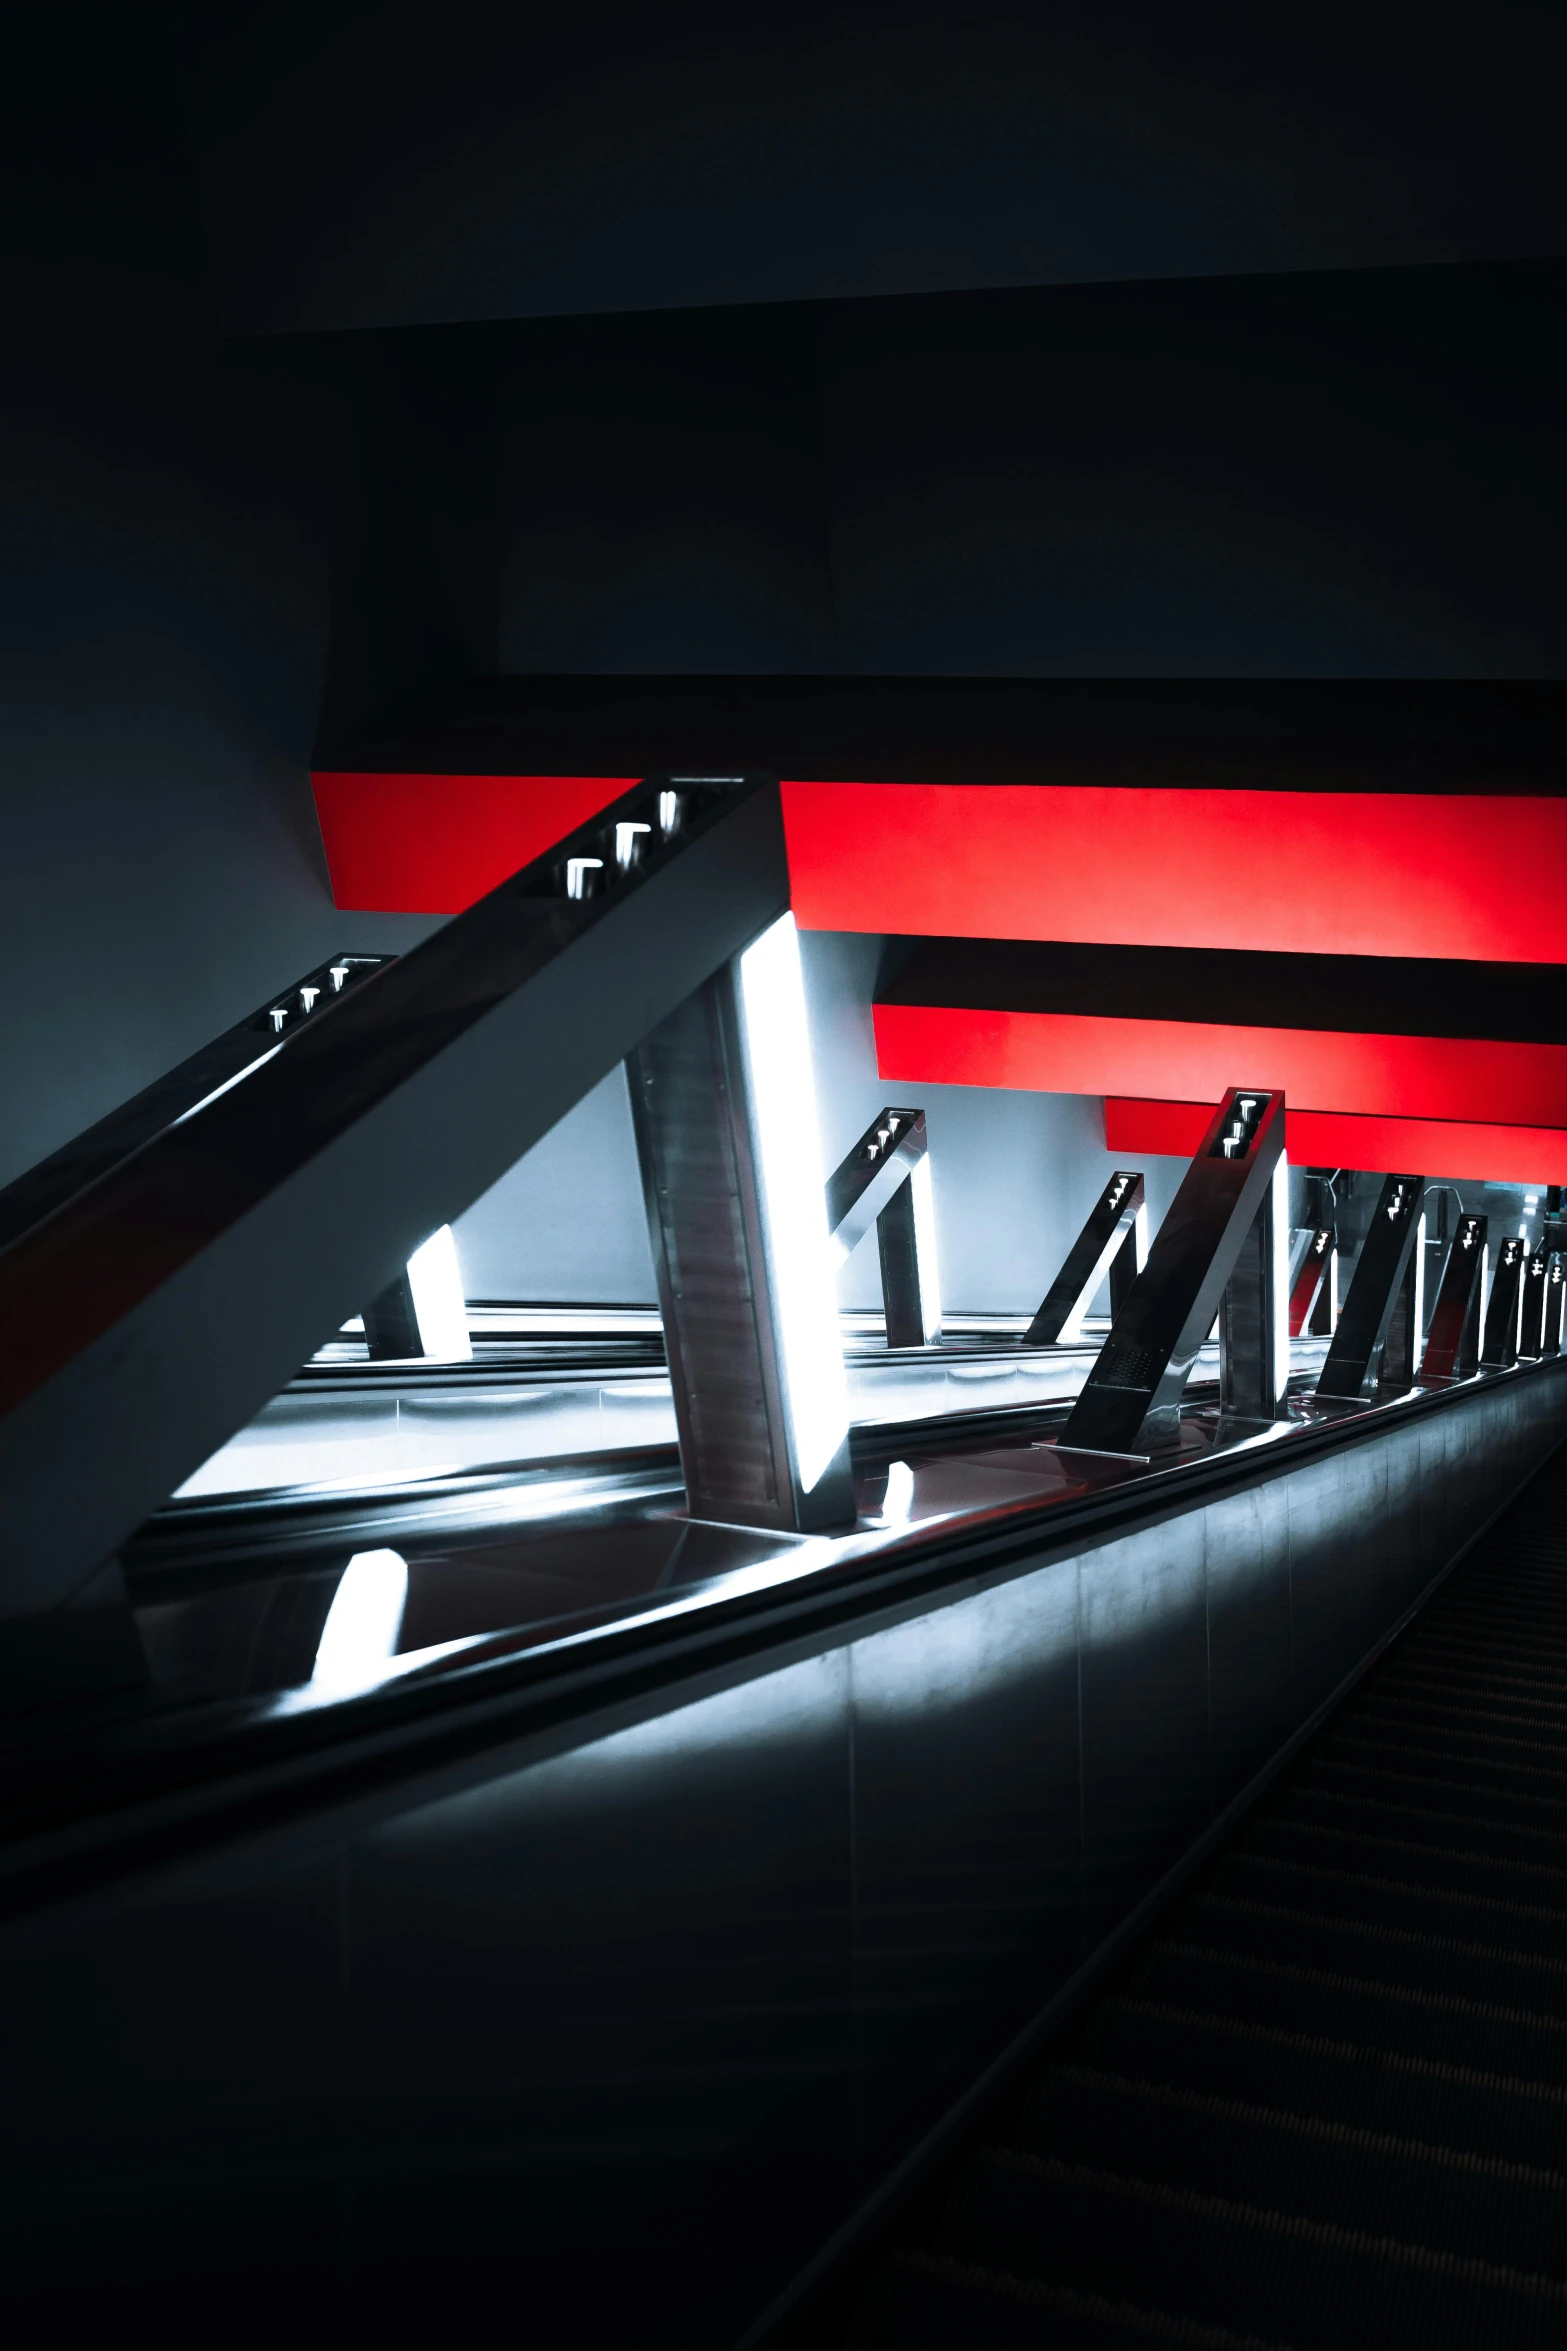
point(1462, 1150)
point(1083, 1053)
point(432, 844)
point(1363, 873)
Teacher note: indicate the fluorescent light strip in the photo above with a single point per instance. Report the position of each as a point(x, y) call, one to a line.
point(789, 1154)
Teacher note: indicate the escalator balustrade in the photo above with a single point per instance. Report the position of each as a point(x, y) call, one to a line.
point(1325, 2101)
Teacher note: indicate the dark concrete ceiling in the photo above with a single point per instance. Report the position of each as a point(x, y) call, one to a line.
point(378, 162)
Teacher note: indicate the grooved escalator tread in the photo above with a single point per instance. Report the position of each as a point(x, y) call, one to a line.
point(1238, 2265)
point(1398, 1892)
point(1499, 1833)
point(1399, 1956)
point(1494, 1751)
point(924, 2300)
point(1418, 1705)
point(1435, 1790)
point(1506, 2214)
point(1519, 2043)
point(1425, 2099)
point(1323, 2102)
point(1539, 1878)
point(1440, 1723)
point(1484, 1770)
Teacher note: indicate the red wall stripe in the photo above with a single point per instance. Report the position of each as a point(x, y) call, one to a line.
point(1362, 873)
point(1459, 1150)
point(432, 844)
point(1319, 1069)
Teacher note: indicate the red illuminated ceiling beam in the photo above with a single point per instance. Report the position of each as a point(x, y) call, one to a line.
point(1455, 875)
point(1378, 873)
point(1464, 1151)
point(1464, 1078)
point(432, 844)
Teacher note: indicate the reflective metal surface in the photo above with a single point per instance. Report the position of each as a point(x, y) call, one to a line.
point(1131, 1399)
point(342, 1423)
point(1453, 1340)
point(1109, 1243)
point(879, 1179)
point(1366, 1325)
point(1505, 1305)
point(1315, 1273)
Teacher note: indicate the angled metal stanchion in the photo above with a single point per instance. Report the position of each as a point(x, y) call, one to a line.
point(1555, 1298)
point(885, 1181)
point(423, 1313)
point(271, 1029)
point(725, 1114)
point(1317, 1277)
point(1379, 1323)
point(1499, 1348)
point(1535, 1303)
point(1453, 1342)
point(1254, 1348)
point(1132, 1398)
point(273, 1209)
point(1114, 1241)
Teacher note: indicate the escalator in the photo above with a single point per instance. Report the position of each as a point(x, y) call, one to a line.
point(1325, 2102)
point(585, 1867)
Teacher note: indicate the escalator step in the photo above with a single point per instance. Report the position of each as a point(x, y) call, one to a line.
point(1436, 1715)
point(1294, 2072)
point(1396, 1895)
point(1500, 1743)
point(1236, 2266)
point(1461, 1653)
point(1480, 1635)
point(1435, 1790)
point(1519, 2044)
point(1539, 1696)
point(1501, 1773)
point(1538, 1879)
point(1376, 1953)
point(1503, 1835)
point(1415, 1689)
point(924, 2302)
point(1357, 2180)
point(1410, 1714)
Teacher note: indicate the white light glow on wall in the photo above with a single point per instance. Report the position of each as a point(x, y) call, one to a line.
point(435, 1278)
point(789, 1154)
point(362, 1624)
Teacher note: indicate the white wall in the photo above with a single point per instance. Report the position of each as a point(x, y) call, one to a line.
point(1014, 1174)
